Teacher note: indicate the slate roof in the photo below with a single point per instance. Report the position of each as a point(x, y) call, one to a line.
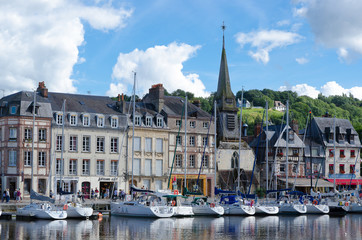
point(173, 106)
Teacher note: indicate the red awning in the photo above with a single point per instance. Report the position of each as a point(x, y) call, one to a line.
point(347, 181)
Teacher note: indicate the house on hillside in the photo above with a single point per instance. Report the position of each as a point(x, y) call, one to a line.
point(279, 106)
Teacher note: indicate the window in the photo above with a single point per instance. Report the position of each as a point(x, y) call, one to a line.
point(282, 167)
point(12, 134)
point(205, 124)
point(58, 166)
point(178, 123)
point(59, 118)
point(27, 134)
point(12, 158)
point(280, 152)
point(137, 144)
point(137, 120)
point(137, 167)
point(341, 153)
point(148, 121)
point(114, 168)
point(341, 168)
point(353, 153)
point(42, 135)
point(13, 109)
point(235, 160)
point(148, 167)
point(86, 144)
point(192, 141)
point(42, 185)
point(159, 145)
point(100, 144)
point(192, 161)
point(331, 168)
point(148, 146)
point(204, 141)
point(73, 167)
point(86, 120)
point(73, 119)
point(159, 122)
point(114, 122)
point(59, 143)
point(295, 152)
point(100, 121)
point(352, 169)
point(192, 124)
point(178, 162)
point(158, 185)
point(100, 167)
point(73, 143)
point(205, 161)
point(27, 158)
point(159, 167)
point(85, 167)
point(331, 153)
point(178, 140)
point(114, 145)
point(147, 183)
point(41, 159)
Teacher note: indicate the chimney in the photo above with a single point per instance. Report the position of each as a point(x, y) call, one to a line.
point(42, 90)
point(156, 95)
point(197, 103)
point(295, 126)
point(257, 129)
point(121, 104)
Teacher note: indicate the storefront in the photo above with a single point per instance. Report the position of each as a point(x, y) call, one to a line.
point(106, 186)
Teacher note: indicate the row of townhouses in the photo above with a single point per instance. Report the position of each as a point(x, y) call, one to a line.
point(84, 142)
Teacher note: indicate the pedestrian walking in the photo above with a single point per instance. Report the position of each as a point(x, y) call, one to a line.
point(7, 195)
point(18, 195)
point(96, 193)
point(92, 193)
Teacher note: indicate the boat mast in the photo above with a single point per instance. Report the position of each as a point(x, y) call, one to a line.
point(185, 154)
point(32, 146)
point(266, 145)
point(240, 128)
point(310, 150)
point(134, 118)
point(334, 152)
point(215, 146)
point(287, 145)
point(62, 147)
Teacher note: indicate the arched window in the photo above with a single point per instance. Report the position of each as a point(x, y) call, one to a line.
point(235, 160)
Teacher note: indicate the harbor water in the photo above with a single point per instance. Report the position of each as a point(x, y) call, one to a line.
point(253, 227)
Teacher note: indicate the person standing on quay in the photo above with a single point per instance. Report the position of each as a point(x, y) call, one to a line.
point(18, 195)
point(7, 195)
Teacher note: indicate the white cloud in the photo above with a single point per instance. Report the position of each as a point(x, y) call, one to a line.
point(328, 89)
point(302, 60)
point(159, 64)
point(39, 40)
point(283, 23)
point(335, 24)
point(265, 41)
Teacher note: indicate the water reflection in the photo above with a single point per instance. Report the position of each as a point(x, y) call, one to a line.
point(269, 227)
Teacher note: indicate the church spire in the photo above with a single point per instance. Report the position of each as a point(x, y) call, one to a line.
point(224, 96)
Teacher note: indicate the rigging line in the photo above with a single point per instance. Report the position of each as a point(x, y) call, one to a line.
point(256, 152)
point(354, 169)
point(203, 154)
point(174, 153)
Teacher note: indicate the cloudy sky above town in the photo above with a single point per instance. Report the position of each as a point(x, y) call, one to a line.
point(93, 47)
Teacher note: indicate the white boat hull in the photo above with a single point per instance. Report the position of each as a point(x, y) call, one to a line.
point(134, 209)
point(78, 211)
point(239, 209)
point(355, 208)
point(183, 211)
point(41, 211)
point(289, 208)
point(317, 209)
point(266, 210)
point(207, 210)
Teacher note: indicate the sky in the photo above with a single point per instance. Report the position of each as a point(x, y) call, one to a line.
point(95, 46)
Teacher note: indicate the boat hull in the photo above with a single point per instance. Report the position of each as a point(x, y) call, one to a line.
point(135, 209)
point(79, 211)
point(183, 211)
point(289, 208)
point(355, 208)
point(239, 209)
point(206, 210)
point(42, 211)
point(266, 210)
point(317, 209)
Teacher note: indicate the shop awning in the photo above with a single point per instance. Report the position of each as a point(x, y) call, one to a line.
point(305, 182)
point(346, 181)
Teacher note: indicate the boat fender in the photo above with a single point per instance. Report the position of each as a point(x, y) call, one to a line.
point(65, 207)
point(173, 203)
point(251, 203)
point(315, 202)
point(212, 205)
point(346, 204)
point(176, 192)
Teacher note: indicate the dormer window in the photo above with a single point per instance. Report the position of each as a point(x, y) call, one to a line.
point(73, 119)
point(178, 123)
point(13, 109)
point(137, 120)
point(100, 121)
point(192, 124)
point(159, 122)
point(114, 122)
point(86, 120)
point(59, 118)
point(205, 124)
point(148, 121)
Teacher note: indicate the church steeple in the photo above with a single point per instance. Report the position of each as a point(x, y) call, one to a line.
point(224, 97)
